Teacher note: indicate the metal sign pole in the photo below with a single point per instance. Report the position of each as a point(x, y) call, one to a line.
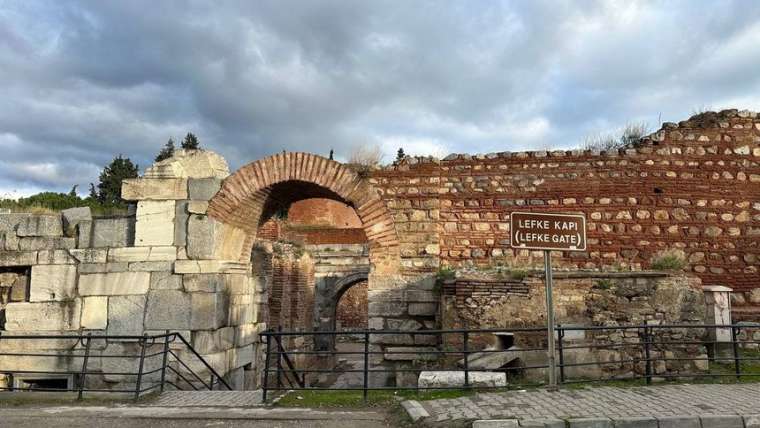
point(550, 321)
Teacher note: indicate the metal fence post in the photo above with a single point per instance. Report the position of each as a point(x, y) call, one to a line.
point(466, 351)
point(735, 344)
point(165, 359)
point(280, 350)
point(366, 364)
point(560, 336)
point(647, 355)
point(83, 374)
point(264, 381)
point(138, 384)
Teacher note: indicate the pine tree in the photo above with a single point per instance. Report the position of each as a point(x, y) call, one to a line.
point(73, 191)
point(191, 142)
point(109, 188)
point(400, 154)
point(167, 151)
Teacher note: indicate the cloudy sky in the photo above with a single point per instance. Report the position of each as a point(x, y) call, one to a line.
point(83, 81)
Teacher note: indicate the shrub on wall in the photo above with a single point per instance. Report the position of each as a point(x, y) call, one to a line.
point(669, 260)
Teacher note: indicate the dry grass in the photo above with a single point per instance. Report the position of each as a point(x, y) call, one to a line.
point(364, 159)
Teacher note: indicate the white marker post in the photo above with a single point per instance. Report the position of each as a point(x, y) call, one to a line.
point(547, 232)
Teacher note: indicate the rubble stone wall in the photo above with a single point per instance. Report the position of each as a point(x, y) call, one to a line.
point(693, 186)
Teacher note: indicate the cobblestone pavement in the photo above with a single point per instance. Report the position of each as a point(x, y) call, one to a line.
point(207, 399)
point(611, 402)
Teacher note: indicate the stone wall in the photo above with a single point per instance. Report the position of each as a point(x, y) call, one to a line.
point(691, 185)
point(157, 270)
point(585, 299)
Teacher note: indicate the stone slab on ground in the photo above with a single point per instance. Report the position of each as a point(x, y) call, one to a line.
point(447, 379)
point(208, 399)
point(414, 409)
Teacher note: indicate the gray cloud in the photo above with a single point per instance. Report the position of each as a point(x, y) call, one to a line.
point(83, 81)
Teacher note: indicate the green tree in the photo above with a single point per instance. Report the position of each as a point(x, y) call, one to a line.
point(109, 188)
point(190, 142)
point(167, 151)
point(400, 154)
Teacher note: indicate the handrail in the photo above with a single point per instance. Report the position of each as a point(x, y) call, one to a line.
point(290, 364)
point(211, 369)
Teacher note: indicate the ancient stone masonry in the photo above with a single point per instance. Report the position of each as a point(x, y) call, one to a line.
point(196, 254)
point(692, 185)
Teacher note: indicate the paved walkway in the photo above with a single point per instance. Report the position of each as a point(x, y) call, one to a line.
point(610, 402)
point(206, 399)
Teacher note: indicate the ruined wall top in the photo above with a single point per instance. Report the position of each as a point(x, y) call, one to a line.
point(190, 164)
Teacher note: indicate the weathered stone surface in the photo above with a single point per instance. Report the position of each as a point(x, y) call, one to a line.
point(201, 234)
point(190, 163)
point(203, 189)
point(73, 217)
point(53, 283)
point(181, 216)
point(423, 309)
point(410, 353)
point(165, 281)
point(206, 283)
point(112, 232)
point(155, 223)
point(142, 254)
point(18, 258)
point(130, 365)
point(125, 315)
point(114, 284)
point(89, 255)
point(436, 379)
point(386, 308)
point(95, 312)
point(247, 334)
point(40, 225)
point(86, 268)
point(208, 311)
point(151, 266)
point(48, 316)
point(140, 189)
point(55, 257)
point(36, 243)
point(240, 356)
point(168, 309)
point(206, 266)
point(197, 207)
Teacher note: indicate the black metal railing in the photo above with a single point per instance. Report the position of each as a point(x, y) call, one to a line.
point(645, 353)
point(151, 362)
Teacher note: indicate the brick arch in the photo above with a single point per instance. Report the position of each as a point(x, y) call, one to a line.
point(242, 200)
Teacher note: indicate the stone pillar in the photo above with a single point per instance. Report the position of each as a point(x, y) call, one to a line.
point(718, 304)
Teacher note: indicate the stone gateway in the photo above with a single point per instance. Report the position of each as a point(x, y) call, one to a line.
point(202, 252)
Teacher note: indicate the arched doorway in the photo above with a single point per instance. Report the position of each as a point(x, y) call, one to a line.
point(265, 188)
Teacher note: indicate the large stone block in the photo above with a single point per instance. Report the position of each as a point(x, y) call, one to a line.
point(190, 163)
point(211, 341)
point(125, 315)
point(89, 255)
point(41, 225)
point(43, 316)
point(112, 232)
point(142, 254)
point(165, 281)
point(205, 283)
point(140, 189)
point(201, 234)
point(240, 357)
point(53, 283)
point(114, 284)
point(113, 366)
point(247, 334)
point(85, 268)
point(203, 189)
point(410, 353)
point(386, 308)
point(95, 312)
point(36, 243)
point(18, 258)
point(155, 223)
point(151, 266)
point(208, 311)
point(72, 217)
point(448, 379)
point(181, 215)
point(168, 309)
point(208, 266)
point(55, 257)
point(423, 309)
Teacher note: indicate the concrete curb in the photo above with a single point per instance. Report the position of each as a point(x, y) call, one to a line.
point(703, 421)
point(415, 410)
